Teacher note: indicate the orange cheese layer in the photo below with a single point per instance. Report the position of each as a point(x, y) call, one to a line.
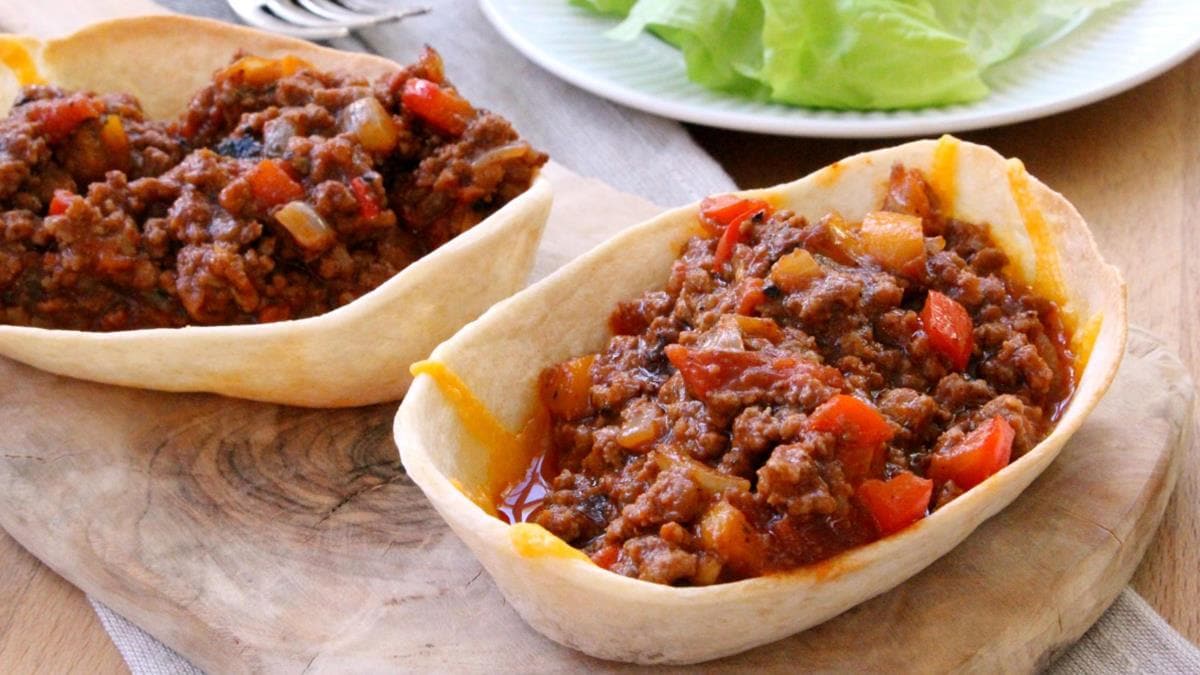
point(508, 453)
point(1047, 280)
point(532, 541)
point(17, 59)
point(945, 170)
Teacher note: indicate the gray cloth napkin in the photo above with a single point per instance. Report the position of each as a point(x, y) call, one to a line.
point(654, 158)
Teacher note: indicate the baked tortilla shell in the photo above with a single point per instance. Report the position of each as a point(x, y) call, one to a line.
point(355, 355)
point(498, 357)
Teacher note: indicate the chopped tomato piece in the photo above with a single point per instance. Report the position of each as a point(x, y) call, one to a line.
point(440, 108)
point(367, 207)
point(896, 503)
point(60, 202)
point(273, 313)
point(566, 388)
point(607, 556)
point(752, 296)
point(949, 328)
point(431, 62)
point(862, 433)
point(724, 209)
point(708, 370)
point(59, 117)
point(272, 185)
point(908, 193)
point(980, 454)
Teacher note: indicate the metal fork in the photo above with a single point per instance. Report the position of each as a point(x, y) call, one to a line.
point(316, 19)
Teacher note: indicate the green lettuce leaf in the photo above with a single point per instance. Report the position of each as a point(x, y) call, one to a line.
point(618, 7)
point(720, 39)
point(996, 30)
point(856, 54)
point(873, 54)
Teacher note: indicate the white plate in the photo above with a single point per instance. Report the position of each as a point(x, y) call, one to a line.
point(1108, 53)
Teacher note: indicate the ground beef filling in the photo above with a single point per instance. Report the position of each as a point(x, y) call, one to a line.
point(792, 384)
point(282, 192)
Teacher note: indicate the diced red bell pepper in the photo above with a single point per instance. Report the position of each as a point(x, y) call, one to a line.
point(60, 202)
point(724, 209)
point(59, 117)
point(861, 430)
point(949, 328)
point(731, 214)
point(752, 296)
point(367, 207)
point(708, 370)
point(272, 185)
point(896, 503)
point(980, 454)
point(440, 108)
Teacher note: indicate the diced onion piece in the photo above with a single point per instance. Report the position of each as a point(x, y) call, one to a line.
point(370, 122)
point(257, 71)
point(847, 248)
point(641, 425)
point(276, 134)
point(306, 225)
point(795, 270)
point(566, 388)
point(754, 326)
point(894, 240)
point(502, 153)
point(725, 531)
point(709, 480)
point(725, 335)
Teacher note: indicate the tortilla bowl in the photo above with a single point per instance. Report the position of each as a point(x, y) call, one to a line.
point(559, 591)
point(354, 355)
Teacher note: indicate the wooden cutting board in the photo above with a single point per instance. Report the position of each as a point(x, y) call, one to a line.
point(253, 537)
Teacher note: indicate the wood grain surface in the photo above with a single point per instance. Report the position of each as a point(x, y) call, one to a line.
point(1130, 163)
point(252, 537)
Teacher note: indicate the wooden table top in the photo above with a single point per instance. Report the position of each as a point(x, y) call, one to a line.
point(1131, 165)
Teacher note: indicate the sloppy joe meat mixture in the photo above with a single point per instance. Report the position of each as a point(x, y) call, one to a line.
point(797, 389)
point(282, 192)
